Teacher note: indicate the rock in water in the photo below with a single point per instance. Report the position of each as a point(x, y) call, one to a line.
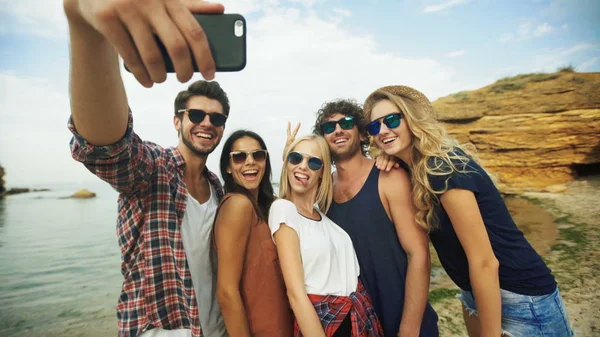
point(2, 189)
point(83, 194)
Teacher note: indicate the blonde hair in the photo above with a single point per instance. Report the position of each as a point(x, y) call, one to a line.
point(432, 149)
point(325, 188)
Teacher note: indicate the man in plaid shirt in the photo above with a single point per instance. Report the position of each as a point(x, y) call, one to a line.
point(167, 196)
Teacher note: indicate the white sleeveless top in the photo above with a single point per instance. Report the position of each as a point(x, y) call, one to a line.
point(328, 258)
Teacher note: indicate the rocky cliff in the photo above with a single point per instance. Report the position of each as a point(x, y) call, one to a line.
point(532, 131)
point(2, 188)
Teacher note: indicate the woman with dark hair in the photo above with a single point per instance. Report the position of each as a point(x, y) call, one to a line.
point(250, 286)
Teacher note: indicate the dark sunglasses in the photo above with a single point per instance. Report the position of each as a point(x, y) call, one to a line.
point(197, 116)
point(345, 123)
point(392, 121)
point(296, 158)
point(239, 157)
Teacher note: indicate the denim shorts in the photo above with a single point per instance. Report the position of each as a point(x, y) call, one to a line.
point(529, 316)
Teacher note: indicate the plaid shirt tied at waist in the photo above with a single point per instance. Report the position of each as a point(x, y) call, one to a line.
point(157, 290)
point(332, 311)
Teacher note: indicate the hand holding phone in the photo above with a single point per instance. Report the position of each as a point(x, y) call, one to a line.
point(226, 35)
point(130, 26)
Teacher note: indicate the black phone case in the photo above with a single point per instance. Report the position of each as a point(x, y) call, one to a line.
point(228, 50)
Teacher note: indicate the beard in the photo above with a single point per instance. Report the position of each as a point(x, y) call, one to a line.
point(351, 152)
point(196, 149)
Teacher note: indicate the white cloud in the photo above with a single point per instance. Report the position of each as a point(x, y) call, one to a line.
point(555, 58)
point(305, 3)
point(528, 30)
point(565, 27)
point(33, 115)
point(579, 48)
point(587, 64)
point(506, 38)
point(37, 17)
point(342, 12)
point(524, 30)
point(542, 29)
point(246, 7)
point(443, 6)
point(297, 60)
point(46, 18)
point(455, 53)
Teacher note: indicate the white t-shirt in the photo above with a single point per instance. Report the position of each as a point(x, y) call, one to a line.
point(328, 258)
point(196, 232)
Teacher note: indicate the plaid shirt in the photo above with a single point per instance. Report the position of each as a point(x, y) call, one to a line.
point(333, 309)
point(157, 290)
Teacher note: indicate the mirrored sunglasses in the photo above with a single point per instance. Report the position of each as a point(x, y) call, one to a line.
point(345, 123)
point(392, 121)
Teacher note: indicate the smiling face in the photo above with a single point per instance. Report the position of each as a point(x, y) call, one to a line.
point(200, 138)
point(250, 172)
point(395, 142)
point(302, 178)
point(343, 144)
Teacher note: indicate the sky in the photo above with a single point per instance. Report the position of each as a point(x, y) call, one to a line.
point(301, 54)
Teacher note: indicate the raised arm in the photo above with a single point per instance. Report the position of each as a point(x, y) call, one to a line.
point(99, 29)
point(397, 191)
point(288, 249)
point(232, 229)
point(466, 219)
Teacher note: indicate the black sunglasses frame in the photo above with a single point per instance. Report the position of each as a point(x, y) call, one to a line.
point(233, 154)
point(314, 163)
point(330, 125)
point(374, 127)
point(197, 116)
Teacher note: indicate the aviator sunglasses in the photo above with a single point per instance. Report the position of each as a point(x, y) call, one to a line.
point(296, 158)
point(239, 157)
point(392, 121)
point(196, 116)
point(345, 123)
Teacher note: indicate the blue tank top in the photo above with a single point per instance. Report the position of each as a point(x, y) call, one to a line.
point(383, 262)
point(521, 269)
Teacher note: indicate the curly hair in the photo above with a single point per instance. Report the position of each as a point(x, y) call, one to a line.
point(433, 151)
point(349, 108)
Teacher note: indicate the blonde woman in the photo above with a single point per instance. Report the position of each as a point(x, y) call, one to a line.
point(317, 259)
point(506, 286)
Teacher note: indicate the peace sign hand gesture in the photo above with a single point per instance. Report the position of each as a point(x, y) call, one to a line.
point(291, 136)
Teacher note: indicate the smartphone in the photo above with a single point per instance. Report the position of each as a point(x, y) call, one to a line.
point(226, 34)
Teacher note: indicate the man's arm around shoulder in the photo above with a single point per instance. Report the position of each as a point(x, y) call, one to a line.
point(397, 191)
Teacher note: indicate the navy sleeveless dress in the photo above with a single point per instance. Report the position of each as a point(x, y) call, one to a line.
point(383, 262)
